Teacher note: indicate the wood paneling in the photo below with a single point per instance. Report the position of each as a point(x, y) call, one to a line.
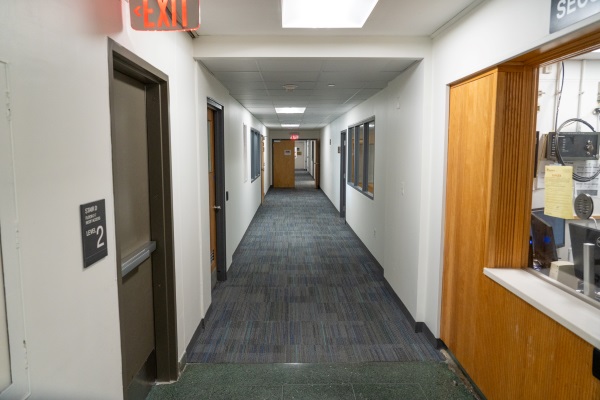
point(510, 350)
point(284, 164)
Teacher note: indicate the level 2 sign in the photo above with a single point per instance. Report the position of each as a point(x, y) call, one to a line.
point(568, 12)
point(93, 232)
point(164, 15)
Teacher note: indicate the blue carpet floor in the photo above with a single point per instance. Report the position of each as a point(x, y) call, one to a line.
point(303, 289)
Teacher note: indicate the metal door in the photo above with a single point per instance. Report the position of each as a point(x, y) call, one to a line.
point(132, 223)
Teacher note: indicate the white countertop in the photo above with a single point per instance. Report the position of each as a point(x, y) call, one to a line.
point(577, 316)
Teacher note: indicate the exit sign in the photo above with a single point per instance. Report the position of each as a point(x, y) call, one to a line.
point(294, 136)
point(165, 15)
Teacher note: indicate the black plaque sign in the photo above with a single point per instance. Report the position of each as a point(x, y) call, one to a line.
point(93, 232)
point(568, 12)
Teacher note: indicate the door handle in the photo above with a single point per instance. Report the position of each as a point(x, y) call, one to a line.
point(137, 257)
point(217, 207)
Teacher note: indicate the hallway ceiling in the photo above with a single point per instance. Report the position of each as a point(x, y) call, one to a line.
point(257, 83)
point(389, 18)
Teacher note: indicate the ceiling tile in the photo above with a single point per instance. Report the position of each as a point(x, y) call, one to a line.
point(230, 65)
point(290, 76)
point(238, 76)
point(301, 85)
point(290, 64)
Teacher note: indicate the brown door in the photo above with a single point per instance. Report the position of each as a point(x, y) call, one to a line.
point(283, 164)
point(132, 219)
point(262, 170)
point(317, 159)
point(212, 196)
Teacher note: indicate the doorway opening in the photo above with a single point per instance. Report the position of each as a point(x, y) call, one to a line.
point(216, 148)
point(143, 221)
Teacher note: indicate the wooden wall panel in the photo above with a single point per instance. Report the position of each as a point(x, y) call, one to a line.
point(510, 350)
point(467, 203)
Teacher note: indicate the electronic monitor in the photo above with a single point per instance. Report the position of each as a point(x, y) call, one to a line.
point(581, 234)
point(558, 226)
point(544, 245)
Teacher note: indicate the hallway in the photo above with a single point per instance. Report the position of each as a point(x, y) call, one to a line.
point(303, 289)
point(305, 314)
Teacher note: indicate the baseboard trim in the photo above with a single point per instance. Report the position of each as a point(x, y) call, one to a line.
point(414, 324)
point(377, 264)
point(182, 362)
point(421, 327)
point(418, 327)
point(453, 362)
point(199, 329)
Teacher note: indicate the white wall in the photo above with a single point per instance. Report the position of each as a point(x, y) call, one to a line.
point(244, 195)
point(388, 224)
point(300, 162)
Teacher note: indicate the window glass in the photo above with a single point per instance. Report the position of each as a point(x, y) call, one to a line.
point(361, 154)
point(559, 240)
point(255, 161)
point(351, 155)
point(371, 158)
point(361, 157)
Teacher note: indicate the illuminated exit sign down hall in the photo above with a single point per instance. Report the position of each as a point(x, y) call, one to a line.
point(165, 15)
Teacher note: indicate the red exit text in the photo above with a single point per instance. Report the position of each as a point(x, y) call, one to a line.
point(165, 15)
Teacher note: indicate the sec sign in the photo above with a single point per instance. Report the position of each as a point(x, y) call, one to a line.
point(164, 15)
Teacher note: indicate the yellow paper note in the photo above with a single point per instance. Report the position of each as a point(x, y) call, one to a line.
point(559, 191)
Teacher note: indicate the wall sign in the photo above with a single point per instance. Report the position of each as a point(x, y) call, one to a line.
point(294, 136)
point(287, 152)
point(93, 232)
point(568, 12)
point(164, 15)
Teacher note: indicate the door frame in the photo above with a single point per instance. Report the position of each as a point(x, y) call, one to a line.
point(10, 253)
point(262, 169)
point(343, 136)
point(163, 261)
point(219, 115)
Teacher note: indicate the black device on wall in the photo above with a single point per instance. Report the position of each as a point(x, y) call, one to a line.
point(574, 146)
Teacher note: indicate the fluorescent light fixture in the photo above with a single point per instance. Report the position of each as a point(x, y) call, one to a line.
point(290, 110)
point(290, 125)
point(325, 13)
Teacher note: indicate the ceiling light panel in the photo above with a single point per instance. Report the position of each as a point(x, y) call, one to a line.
point(290, 110)
point(290, 125)
point(325, 13)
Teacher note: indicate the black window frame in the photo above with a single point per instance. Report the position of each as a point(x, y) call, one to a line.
point(353, 173)
point(255, 139)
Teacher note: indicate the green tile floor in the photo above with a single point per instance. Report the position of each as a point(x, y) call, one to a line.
point(376, 381)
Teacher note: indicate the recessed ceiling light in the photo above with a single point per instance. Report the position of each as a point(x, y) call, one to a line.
point(290, 87)
point(331, 85)
point(290, 125)
point(290, 110)
point(325, 13)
